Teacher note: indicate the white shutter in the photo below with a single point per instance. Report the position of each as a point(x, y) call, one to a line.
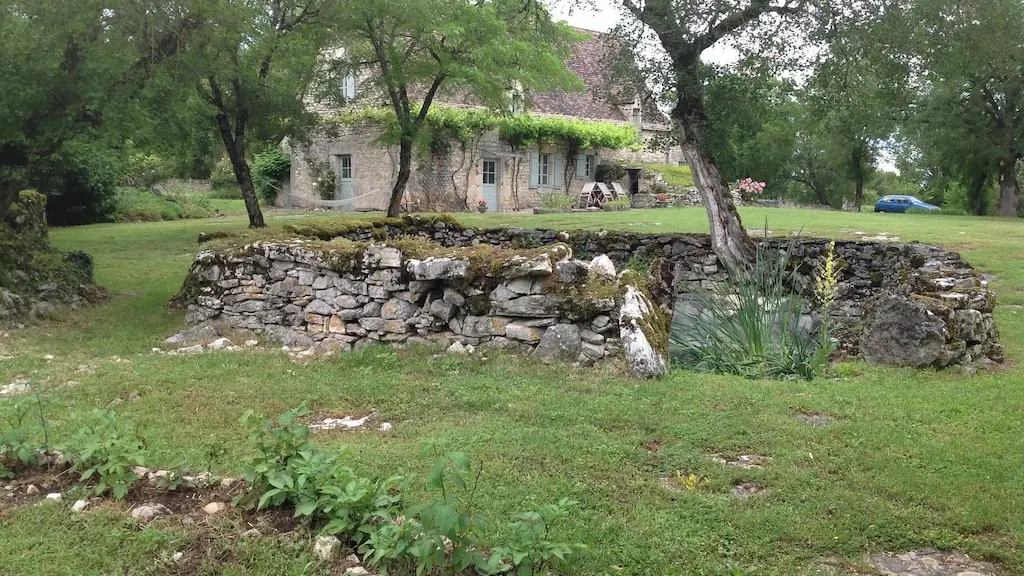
point(534, 171)
point(581, 167)
point(556, 181)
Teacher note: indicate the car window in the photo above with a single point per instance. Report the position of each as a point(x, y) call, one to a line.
point(886, 199)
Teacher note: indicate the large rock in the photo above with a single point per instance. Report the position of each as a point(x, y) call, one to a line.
point(530, 306)
point(396, 309)
point(519, 266)
point(571, 271)
point(646, 359)
point(382, 257)
point(902, 332)
point(288, 337)
point(560, 342)
point(202, 333)
point(603, 266)
point(481, 326)
point(438, 268)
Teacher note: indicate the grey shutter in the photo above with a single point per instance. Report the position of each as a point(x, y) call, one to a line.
point(534, 170)
point(556, 180)
point(581, 166)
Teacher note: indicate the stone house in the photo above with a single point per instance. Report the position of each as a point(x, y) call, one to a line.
point(487, 169)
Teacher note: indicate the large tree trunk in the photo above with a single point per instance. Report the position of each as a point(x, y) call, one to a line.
point(1009, 189)
point(9, 190)
point(976, 194)
point(235, 147)
point(728, 238)
point(404, 173)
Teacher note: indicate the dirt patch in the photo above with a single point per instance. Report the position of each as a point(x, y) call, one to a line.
point(743, 461)
point(746, 489)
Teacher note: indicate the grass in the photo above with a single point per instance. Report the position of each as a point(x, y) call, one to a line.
point(914, 458)
point(674, 175)
point(139, 205)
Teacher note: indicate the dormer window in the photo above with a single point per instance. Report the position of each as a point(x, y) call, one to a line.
point(348, 86)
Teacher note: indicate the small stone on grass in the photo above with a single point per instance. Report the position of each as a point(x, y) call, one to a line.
point(326, 548)
point(214, 508)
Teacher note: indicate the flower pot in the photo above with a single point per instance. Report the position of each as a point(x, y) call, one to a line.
point(481, 209)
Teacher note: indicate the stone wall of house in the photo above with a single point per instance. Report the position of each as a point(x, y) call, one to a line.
point(445, 181)
point(341, 296)
point(903, 304)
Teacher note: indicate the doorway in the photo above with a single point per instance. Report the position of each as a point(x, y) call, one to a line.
point(489, 171)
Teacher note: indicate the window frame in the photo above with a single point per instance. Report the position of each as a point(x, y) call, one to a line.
point(544, 169)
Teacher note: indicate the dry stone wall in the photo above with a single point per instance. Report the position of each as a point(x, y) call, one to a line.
point(900, 304)
point(342, 295)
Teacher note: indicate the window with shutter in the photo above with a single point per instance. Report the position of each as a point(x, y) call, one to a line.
point(348, 86)
point(534, 170)
point(556, 171)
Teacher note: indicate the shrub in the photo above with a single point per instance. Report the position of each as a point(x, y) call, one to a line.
point(616, 205)
point(288, 470)
point(17, 443)
point(269, 169)
point(80, 183)
point(557, 201)
point(751, 326)
point(223, 175)
point(232, 192)
point(107, 450)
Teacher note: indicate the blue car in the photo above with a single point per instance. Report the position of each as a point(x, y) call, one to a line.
point(902, 204)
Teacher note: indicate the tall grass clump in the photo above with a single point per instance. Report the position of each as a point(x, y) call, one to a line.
point(752, 325)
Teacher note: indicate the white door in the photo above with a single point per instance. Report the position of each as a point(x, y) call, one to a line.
point(344, 177)
point(490, 183)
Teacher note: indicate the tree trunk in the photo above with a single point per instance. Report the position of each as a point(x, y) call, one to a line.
point(1009, 189)
point(976, 194)
point(9, 190)
point(728, 238)
point(404, 172)
point(858, 178)
point(236, 153)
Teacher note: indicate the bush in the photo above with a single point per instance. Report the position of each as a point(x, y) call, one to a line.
point(80, 183)
point(106, 450)
point(557, 201)
point(269, 169)
point(135, 205)
point(223, 175)
point(752, 326)
point(17, 445)
point(144, 170)
point(617, 205)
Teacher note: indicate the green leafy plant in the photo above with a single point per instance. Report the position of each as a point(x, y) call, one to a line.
point(17, 441)
point(269, 168)
point(289, 471)
point(751, 326)
point(617, 205)
point(105, 449)
point(439, 532)
point(531, 549)
point(557, 201)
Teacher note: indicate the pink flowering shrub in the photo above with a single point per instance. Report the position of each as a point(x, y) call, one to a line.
point(749, 186)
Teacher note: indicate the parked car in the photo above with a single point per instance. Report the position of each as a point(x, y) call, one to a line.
point(902, 204)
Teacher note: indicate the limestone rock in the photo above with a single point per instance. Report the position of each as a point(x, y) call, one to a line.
point(603, 266)
point(80, 506)
point(646, 359)
point(518, 331)
point(396, 309)
point(201, 333)
point(438, 268)
point(521, 286)
point(458, 348)
point(147, 512)
point(55, 496)
point(219, 344)
point(529, 306)
point(382, 257)
point(571, 272)
point(519, 266)
point(482, 326)
point(904, 332)
point(319, 307)
point(560, 342)
point(288, 337)
point(327, 548)
point(214, 508)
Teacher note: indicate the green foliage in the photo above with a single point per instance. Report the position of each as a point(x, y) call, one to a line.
point(616, 205)
point(105, 449)
point(522, 131)
point(143, 169)
point(223, 176)
point(557, 201)
point(80, 183)
point(269, 169)
point(18, 442)
point(531, 549)
point(679, 176)
point(225, 193)
point(750, 326)
point(289, 470)
point(448, 124)
point(135, 205)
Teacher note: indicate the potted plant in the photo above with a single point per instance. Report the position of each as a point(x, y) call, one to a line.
point(481, 206)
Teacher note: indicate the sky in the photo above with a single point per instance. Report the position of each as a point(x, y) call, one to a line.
point(605, 15)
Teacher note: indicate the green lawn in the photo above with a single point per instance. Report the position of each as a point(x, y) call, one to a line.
point(914, 459)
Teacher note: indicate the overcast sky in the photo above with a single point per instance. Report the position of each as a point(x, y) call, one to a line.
point(605, 15)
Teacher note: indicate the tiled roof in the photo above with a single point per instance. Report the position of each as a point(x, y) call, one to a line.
point(591, 59)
